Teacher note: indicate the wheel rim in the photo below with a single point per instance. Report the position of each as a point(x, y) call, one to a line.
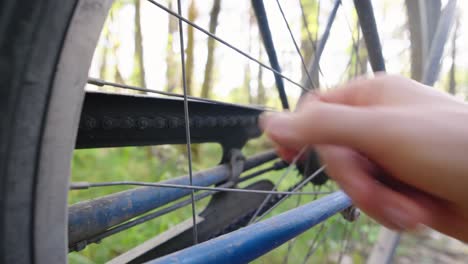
point(60, 130)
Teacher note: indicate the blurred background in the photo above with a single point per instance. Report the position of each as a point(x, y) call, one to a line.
point(139, 45)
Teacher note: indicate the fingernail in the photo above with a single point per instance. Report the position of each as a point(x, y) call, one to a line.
point(310, 96)
point(400, 218)
point(278, 125)
point(262, 120)
point(420, 229)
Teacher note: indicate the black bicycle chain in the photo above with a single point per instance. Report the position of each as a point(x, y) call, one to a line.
point(108, 122)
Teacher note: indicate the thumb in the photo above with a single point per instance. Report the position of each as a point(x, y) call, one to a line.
point(324, 123)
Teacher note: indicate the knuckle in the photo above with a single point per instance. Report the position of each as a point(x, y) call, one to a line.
point(315, 110)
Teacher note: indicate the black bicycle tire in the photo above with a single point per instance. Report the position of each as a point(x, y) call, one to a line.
point(31, 36)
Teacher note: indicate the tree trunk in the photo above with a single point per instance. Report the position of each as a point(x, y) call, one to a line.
point(247, 76)
point(309, 40)
point(247, 67)
point(208, 79)
point(363, 57)
point(104, 53)
point(171, 64)
point(113, 50)
point(261, 97)
point(452, 81)
point(189, 62)
point(189, 65)
point(139, 75)
point(359, 58)
point(423, 17)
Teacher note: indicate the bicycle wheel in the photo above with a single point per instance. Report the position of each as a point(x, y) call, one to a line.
point(46, 52)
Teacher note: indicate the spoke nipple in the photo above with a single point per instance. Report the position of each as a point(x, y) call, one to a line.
point(351, 213)
point(96, 82)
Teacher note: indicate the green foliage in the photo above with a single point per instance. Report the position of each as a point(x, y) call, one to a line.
point(133, 163)
point(165, 162)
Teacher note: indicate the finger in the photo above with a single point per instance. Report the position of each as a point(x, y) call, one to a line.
point(323, 123)
point(434, 212)
point(352, 173)
point(354, 92)
point(449, 221)
point(445, 217)
point(309, 97)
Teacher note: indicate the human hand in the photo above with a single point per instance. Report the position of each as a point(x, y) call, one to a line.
point(399, 149)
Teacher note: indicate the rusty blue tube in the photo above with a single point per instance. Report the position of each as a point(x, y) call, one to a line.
point(89, 218)
point(251, 242)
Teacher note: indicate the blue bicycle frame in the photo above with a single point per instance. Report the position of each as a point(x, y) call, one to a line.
point(253, 241)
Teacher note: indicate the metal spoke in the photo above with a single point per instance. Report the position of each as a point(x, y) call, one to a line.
point(312, 246)
point(265, 32)
point(187, 123)
point(354, 52)
point(292, 241)
point(295, 43)
point(343, 243)
point(309, 34)
point(368, 27)
point(313, 66)
point(86, 185)
point(316, 243)
point(345, 249)
point(288, 170)
point(181, 18)
point(253, 219)
point(359, 65)
point(355, 44)
point(148, 217)
point(306, 23)
point(317, 22)
point(277, 166)
point(295, 190)
point(99, 82)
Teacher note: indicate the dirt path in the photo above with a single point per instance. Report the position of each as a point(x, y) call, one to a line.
point(431, 247)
